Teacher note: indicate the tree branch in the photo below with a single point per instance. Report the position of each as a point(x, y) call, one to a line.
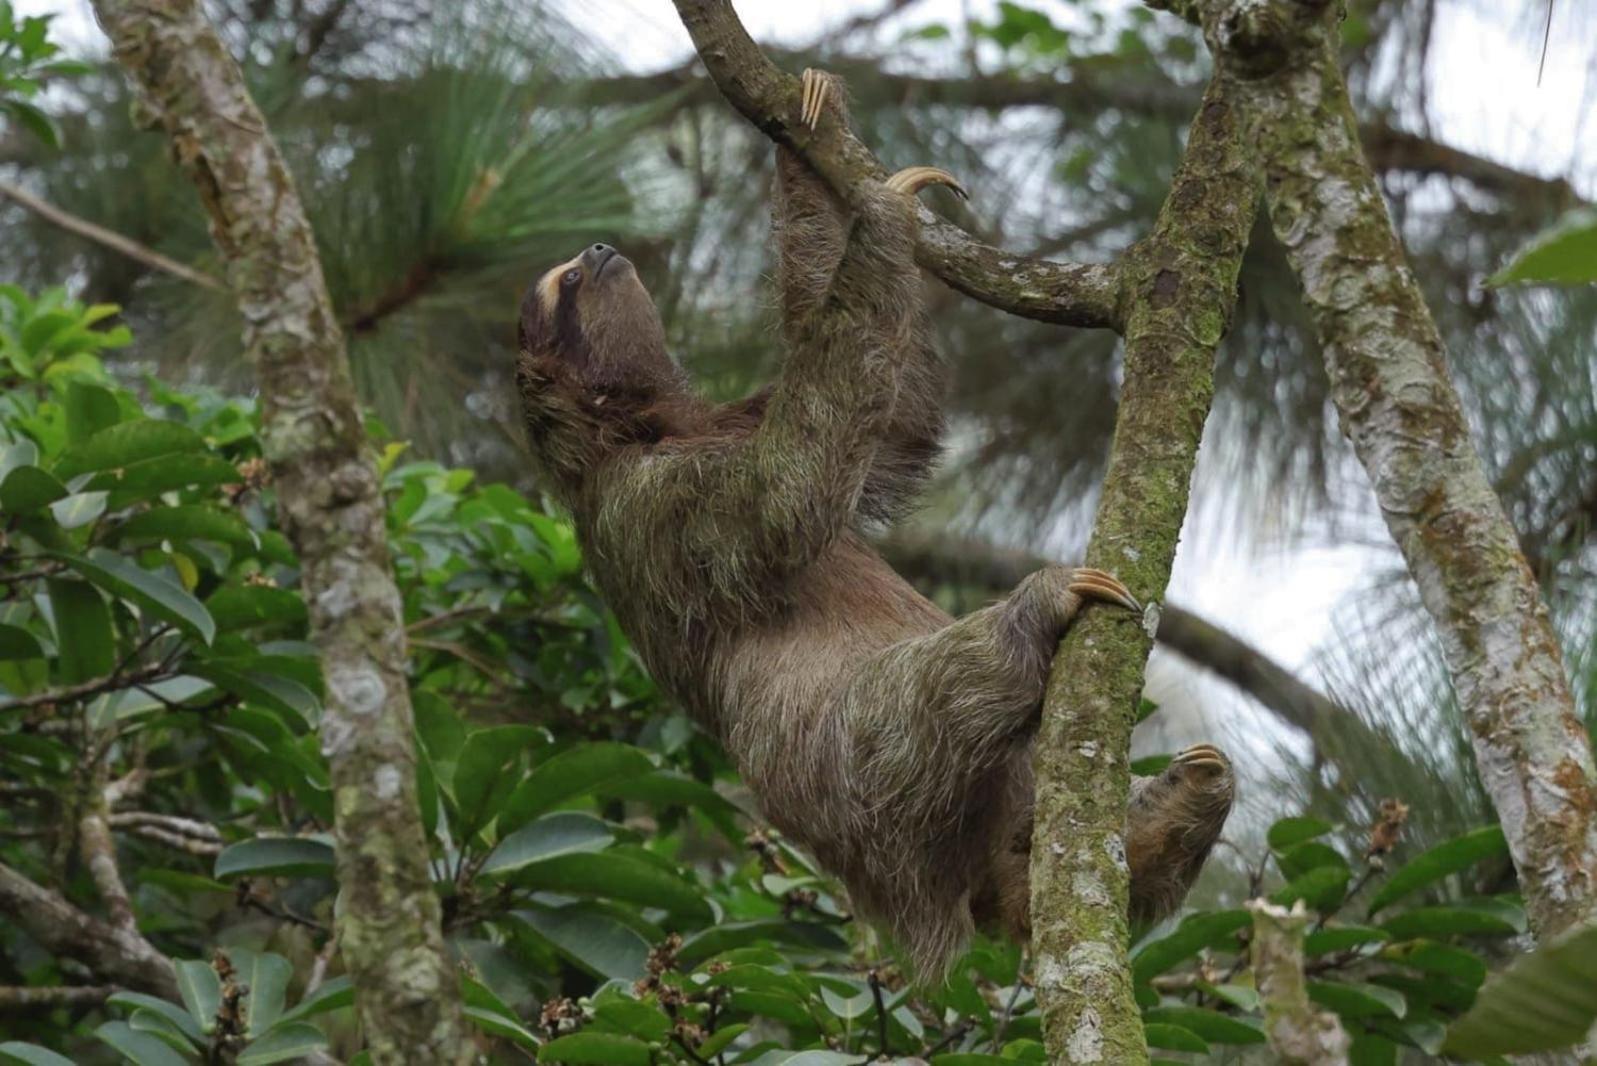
point(1071, 294)
point(1299, 1034)
point(1181, 292)
point(1389, 381)
point(26, 999)
point(116, 954)
point(331, 503)
point(110, 239)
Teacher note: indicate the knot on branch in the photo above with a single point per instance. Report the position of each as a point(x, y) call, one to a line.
point(1257, 38)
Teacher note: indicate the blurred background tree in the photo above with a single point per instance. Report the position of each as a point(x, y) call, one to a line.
point(447, 158)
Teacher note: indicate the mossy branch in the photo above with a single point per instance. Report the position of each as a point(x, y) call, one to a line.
point(1179, 293)
point(330, 500)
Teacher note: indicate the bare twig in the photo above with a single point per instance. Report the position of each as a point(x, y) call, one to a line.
point(110, 239)
point(21, 999)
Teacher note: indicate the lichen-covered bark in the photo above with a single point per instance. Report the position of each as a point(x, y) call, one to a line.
point(1299, 1034)
point(331, 505)
point(1397, 405)
point(1179, 291)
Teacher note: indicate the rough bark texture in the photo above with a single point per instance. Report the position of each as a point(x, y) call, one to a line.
point(1068, 293)
point(112, 953)
point(1180, 289)
point(331, 505)
point(1397, 405)
point(1299, 1034)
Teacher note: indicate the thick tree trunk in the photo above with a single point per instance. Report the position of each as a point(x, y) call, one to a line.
point(1179, 289)
point(1390, 384)
point(331, 504)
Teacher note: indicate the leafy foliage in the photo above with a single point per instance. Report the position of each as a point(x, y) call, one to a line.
point(27, 61)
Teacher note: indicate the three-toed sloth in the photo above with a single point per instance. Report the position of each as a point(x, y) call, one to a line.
point(891, 740)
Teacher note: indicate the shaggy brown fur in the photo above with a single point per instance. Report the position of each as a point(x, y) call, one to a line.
point(883, 735)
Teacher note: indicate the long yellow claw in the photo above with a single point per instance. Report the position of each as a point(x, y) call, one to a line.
point(912, 180)
point(816, 88)
point(1097, 585)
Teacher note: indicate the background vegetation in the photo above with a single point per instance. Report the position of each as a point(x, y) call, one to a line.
point(609, 893)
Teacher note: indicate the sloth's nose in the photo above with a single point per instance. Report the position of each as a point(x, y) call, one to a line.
point(596, 257)
point(600, 249)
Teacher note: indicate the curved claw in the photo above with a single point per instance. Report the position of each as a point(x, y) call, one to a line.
point(1202, 756)
point(1097, 585)
point(912, 180)
point(815, 87)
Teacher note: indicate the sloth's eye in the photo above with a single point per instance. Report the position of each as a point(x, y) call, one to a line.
point(572, 276)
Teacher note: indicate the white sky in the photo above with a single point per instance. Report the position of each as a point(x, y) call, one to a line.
point(1484, 98)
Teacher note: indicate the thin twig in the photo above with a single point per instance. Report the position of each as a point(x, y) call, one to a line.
point(881, 1012)
point(100, 235)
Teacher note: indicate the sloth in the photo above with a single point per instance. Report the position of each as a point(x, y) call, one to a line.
point(890, 740)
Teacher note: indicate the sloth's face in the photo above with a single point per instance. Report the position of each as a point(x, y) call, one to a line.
point(593, 315)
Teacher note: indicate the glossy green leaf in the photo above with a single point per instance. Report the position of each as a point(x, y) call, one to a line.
point(1211, 1025)
point(159, 1025)
point(482, 780)
point(17, 643)
point(173, 1013)
point(1449, 857)
point(1563, 254)
point(291, 1040)
point(1302, 859)
point(613, 876)
point(596, 1049)
point(1289, 832)
point(1341, 938)
point(142, 1049)
point(720, 1040)
point(501, 1025)
point(201, 990)
point(264, 689)
point(266, 976)
point(561, 833)
point(187, 522)
point(1543, 1001)
point(1321, 888)
point(1169, 1037)
point(1457, 920)
point(621, 1013)
point(275, 857)
point(1196, 932)
point(662, 788)
point(1352, 999)
point(85, 641)
point(153, 593)
point(596, 942)
point(151, 477)
point(89, 409)
point(726, 936)
point(30, 1055)
point(78, 509)
point(126, 443)
point(331, 994)
point(27, 489)
point(570, 774)
point(236, 607)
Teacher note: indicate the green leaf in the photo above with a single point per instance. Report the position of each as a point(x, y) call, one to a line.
point(329, 995)
point(482, 780)
point(275, 857)
point(291, 1040)
point(1340, 938)
point(266, 976)
point(78, 509)
point(1321, 888)
point(1431, 957)
point(572, 773)
point(159, 1025)
point(153, 593)
point(142, 1049)
point(1451, 921)
point(187, 522)
point(619, 1012)
point(1352, 999)
point(272, 691)
point(30, 1055)
point(1211, 1025)
point(1288, 832)
point(85, 641)
point(27, 489)
point(1169, 1037)
point(500, 1025)
point(597, 1049)
point(17, 643)
point(201, 990)
point(1563, 254)
point(719, 1040)
point(613, 876)
point(596, 942)
point(1543, 1001)
point(662, 788)
point(166, 1009)
point(1196, 932)
point(560, 833)
point(725, 936)
point(1311, 855)
point(127, 443)
point(236, 607)
point(89, 408)
point(1449, 857)
point(151, 477)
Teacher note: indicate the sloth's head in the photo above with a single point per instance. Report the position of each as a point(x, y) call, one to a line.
point(593, 369)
